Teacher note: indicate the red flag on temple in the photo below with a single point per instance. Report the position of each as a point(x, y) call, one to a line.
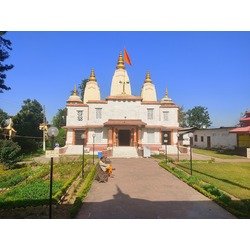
point(126, 57)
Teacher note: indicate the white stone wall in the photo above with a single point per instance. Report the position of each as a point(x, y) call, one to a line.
point(69, 138)
point(101, 136)
point(71, 119)
point(220, 138)
point(122, 110)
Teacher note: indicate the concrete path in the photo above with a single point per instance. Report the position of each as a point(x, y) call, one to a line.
point(142, 189)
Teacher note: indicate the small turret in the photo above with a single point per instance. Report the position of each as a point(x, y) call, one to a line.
point(166, 98)
point(92, 90)
point(148, 92)
point(74, 98)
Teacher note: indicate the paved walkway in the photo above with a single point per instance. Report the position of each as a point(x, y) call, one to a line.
point(142, 189)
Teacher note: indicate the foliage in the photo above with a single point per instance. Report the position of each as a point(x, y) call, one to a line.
point(13, 180)
point(82, 192)
point(61, 137)
point(5, 46)
point(82, 87)
point(59, 120)
point(9, 152)
point(3, 117)
point(182, 118)
point(198, 117)
point(26, 123)
point(31, 194)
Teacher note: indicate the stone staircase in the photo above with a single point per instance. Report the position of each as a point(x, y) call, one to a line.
point(125, 152)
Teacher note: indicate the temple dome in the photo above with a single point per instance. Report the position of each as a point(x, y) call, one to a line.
point(74, 98)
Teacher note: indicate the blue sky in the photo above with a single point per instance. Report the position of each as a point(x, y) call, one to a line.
point(210, 69)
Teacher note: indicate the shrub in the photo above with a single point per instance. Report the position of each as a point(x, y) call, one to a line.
point(9, 152)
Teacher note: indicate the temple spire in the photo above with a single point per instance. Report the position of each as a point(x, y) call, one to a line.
point(166, 98)
point(120, 63)
point(75, 90)
point(92, 76)
point(148, 92)
point(148, 78)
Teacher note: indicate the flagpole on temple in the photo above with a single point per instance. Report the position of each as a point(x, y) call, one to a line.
point(127, 60)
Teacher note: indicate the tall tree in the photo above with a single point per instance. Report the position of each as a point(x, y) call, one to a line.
point(3, 117)
point(198, 117)
point(182, 117)
point(59, 120)
point(26, 123)
point(5, 46)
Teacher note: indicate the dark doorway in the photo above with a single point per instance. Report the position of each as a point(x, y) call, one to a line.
point(124, 137)
point(208, 142)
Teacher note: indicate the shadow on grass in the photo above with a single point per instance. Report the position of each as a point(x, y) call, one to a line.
point(211, 176)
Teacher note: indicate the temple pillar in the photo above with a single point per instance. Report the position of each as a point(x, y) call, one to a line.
point(110, 143)
point(113, 137)
point(139, 137)
point(74, 137)
point(135, 137)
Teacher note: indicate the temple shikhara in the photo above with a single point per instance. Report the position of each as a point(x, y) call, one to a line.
point(121, 124)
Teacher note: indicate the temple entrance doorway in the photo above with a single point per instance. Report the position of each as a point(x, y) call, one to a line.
point(124, 137)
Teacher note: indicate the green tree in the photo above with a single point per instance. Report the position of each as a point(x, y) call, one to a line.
point(61, 137)
point(198, 117)
point(26, 123)
point(59, 120)
point(182, 117)
point(82, 87)
point(3, 117)
point(5, 46)
point(9, 153)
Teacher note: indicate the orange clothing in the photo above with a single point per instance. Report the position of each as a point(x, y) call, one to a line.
point(109, 169)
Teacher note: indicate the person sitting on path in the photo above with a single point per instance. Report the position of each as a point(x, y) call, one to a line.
point(106, 167)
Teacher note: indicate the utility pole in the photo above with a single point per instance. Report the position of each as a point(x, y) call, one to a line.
point(44, 128)
point(44, 122)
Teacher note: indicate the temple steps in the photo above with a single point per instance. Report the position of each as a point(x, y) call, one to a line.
point(125, 152)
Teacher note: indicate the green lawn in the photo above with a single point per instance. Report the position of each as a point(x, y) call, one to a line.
point(233, 178)
point(216, 154)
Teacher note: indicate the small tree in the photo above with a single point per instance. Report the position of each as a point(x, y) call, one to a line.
point(9, 153)
point(198, 117)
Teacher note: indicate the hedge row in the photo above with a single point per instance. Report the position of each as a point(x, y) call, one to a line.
point(82, 192)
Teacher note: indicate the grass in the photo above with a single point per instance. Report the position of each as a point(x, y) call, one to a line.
point(233, 178)
point(240, 208)
point(213, 153)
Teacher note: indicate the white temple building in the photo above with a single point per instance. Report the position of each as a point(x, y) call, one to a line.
point(122, 124)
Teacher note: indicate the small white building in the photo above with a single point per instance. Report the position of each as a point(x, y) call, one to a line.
point(219, 138)
point(121, 123)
